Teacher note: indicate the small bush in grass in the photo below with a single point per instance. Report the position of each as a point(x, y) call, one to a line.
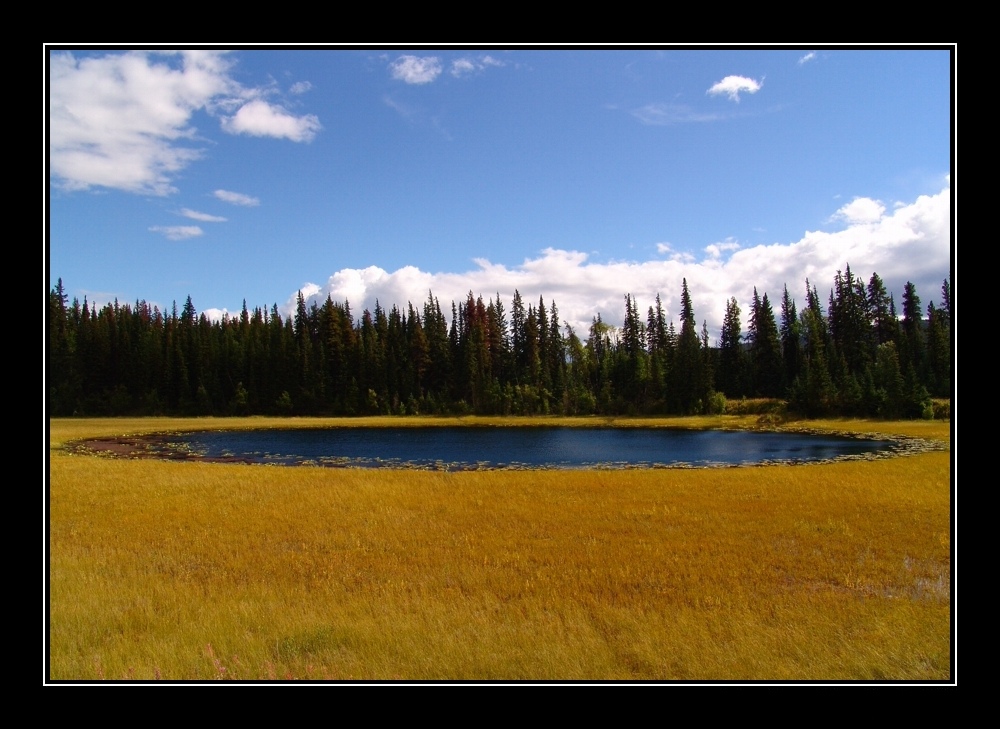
point(941, 409)
point(716, 403)
point(284, 403)
point(756, 406)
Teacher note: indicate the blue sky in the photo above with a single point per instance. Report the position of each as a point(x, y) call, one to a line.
point(574, 175)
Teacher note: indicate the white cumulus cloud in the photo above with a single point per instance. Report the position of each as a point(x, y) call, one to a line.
point(261, 119)
point(416, 69)
point(860, 210)
point(203, 217)
point(178, 232)
point(236, 198)
point(123, 120)
point(715, 250)
point(912, 243)
point(215, 315)
point(120, 120)
point(733, 86)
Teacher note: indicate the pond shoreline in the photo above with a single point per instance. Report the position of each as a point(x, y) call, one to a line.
point(158, 446)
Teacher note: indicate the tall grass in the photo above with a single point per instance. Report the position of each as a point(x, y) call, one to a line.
point(178, 570)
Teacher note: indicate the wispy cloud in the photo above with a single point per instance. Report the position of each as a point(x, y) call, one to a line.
point(465, 66)
point(404, 110)
point(462, 67)
point(178, 232)
point(663, 114)
point(733, 86)
point(123, 120)
point(416, 69)
point(261, 119)
point(202, 217)
point(916, 232)
point(236, 198)
point(300, 87)
point(808, 57)
point(416, 114)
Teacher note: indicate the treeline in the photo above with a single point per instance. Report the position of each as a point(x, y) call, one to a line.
point(857, 358)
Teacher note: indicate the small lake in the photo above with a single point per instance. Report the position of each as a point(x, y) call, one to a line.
point(467, 448)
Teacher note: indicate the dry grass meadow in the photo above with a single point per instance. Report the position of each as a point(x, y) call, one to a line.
point(185, 570)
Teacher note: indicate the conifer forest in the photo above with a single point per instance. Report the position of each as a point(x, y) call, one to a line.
point(853, 354)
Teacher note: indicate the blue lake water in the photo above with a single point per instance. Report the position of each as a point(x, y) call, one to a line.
point(459, 448)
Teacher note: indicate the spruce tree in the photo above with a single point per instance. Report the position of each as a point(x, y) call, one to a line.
point(544, 361)
point(686, 389)
point(938, 352)
point(791, 339)
point(813, 392)
point(557, 354)
point(765, 349)
point(62, 395)
point(879, 312)
point(945, 301)
point(912, 349)
point(850, 322)
point(419, 353)
point(438, 346)
point(657, 345)
point(517, 338)
point(729, 378)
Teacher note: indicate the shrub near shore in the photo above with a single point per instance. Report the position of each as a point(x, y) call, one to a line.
point(200, 571)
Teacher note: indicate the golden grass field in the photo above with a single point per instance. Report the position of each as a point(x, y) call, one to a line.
point(185, 570)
